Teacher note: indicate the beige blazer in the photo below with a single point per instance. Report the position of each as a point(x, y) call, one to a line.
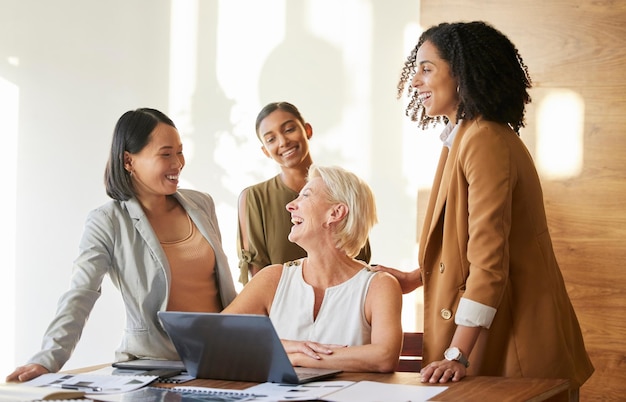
point(118, 241)
point(485, 238)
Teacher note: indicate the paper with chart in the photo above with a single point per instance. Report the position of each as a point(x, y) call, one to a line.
point(315, 390)
point(92, 384)
point(371, 391)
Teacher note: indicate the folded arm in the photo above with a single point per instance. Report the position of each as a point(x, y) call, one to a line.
point(383, 307)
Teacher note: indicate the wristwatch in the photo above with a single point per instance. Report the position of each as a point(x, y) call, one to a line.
point(454, 354)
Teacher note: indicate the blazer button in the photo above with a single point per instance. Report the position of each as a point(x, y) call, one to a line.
point(446, 314)
point(442, 267)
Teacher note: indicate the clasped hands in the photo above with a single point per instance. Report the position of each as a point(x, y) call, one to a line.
point(314, 350)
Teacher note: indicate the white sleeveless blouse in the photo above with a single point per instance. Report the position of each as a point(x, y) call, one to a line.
point(341, 318)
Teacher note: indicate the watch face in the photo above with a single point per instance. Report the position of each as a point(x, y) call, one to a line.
point(452, 353)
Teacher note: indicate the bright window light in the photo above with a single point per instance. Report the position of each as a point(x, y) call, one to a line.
point(560, 140)
point(9, 101)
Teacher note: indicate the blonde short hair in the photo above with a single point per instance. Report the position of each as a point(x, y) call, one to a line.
point(347, 188)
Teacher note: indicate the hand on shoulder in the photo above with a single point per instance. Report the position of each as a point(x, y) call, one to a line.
point(409, 281)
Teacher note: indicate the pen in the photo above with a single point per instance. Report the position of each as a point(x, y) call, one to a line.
point(79, 387)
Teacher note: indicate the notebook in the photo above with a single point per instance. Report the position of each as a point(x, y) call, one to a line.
point(11, 392)
point(236, 347)
point(198, 394)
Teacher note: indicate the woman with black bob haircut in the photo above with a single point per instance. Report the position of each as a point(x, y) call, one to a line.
point(160, 246)
point(495, 302)
point(133, 131)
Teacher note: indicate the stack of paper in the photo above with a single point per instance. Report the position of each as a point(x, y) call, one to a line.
point(345, 391)
point(197, 394)
point(90, 384)
point(16, 392)
point(371, 391)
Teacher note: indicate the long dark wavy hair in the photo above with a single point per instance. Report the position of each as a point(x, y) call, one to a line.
point(493, 80)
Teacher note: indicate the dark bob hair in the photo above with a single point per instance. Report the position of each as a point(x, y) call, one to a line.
point(131, 134)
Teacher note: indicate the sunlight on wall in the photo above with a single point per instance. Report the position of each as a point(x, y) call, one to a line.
point(421, 147)
point(9, 101)
point(240, 83)
point(183, 62)
point(560, 138)
point(353, 36)
point(420, 156)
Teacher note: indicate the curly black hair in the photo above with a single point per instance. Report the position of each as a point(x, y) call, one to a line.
point(493, 80)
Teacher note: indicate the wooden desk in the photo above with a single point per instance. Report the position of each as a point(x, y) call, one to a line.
point(480, 389)
point(469, 389)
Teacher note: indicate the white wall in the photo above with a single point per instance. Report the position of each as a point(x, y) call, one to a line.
point(70, 68)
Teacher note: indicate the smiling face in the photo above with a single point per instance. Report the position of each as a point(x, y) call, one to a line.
point(310, 213)
point(435, 83)
point(156, 168)
point(285, 139)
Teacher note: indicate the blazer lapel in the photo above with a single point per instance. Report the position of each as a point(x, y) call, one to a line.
point(439, 191)
point(143, 227)
point(429, 217)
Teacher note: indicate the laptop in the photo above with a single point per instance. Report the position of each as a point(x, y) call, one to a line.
point(150, 364)
point(235, 347)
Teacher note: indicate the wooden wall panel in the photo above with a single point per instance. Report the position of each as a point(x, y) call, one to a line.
point(580, 46)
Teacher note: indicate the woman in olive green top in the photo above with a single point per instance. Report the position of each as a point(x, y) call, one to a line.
point(264, 223)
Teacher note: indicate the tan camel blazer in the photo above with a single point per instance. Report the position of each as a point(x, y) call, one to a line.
point(485, 238)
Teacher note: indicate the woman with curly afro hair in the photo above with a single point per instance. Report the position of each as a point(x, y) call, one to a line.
point(495, 303)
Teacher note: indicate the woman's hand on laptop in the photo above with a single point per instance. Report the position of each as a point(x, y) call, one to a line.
point(309, 348)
